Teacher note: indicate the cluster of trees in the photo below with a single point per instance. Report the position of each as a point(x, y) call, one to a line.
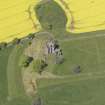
point(38, 65)
point(16, 41)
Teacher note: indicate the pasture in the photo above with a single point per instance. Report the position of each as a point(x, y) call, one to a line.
point(11, 86)
point(84, 88)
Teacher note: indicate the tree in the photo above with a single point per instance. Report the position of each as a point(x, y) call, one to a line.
point(16, 41)
point(3, 45)
point(77, 69)
point(31, 35)
point(0, 47)
point(30, 43)
point(50, 26)
point(37, 101)
point(25, 61)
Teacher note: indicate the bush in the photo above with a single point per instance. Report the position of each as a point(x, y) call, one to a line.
point(31, 35)
point(25, 61)
point(16, 41)
point(3, 45)
point(59, 60)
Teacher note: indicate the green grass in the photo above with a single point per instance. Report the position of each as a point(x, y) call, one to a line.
point(11, 86)
point(84, 92)
point(4, 54)
point(15, 87)
point(16, 92)
point(18, 101)
point(88, 53)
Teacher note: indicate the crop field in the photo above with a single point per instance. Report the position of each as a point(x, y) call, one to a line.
point(84, 15)
point(17, 19)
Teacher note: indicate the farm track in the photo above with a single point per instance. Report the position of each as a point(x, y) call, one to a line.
point(74, 78)
point(48, 75)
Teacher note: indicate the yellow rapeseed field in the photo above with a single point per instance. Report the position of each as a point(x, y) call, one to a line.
point(84, 15)
point(17, 17)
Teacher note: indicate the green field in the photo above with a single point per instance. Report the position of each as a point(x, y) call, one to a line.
point(3, 77)
point(89, 53)
point(78, 92)
point(11, 89)
point(14, 73)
